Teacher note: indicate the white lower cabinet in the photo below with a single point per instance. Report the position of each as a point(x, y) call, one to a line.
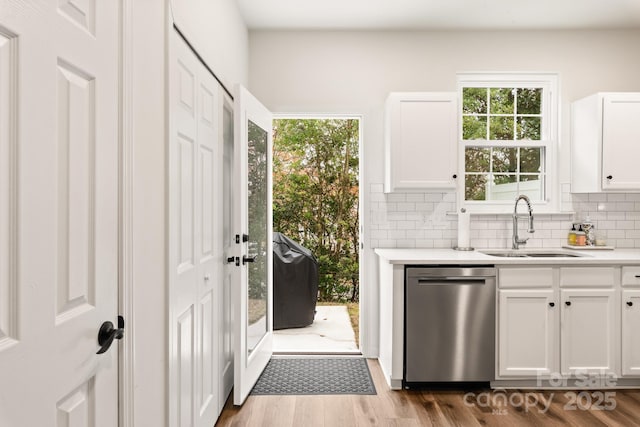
point(588, 331)
point(630, 306)
point(527, 341)
point(564, 321)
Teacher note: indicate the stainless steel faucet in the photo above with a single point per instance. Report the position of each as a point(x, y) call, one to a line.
point(517, 241)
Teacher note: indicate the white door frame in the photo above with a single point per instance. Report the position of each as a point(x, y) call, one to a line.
point(364, 316)
point(126, 263)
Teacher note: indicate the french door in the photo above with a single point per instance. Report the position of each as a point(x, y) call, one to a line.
point(252, 275)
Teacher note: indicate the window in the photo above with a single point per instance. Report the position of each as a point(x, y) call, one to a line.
point(507, 140)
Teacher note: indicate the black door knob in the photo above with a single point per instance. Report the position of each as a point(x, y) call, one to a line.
point(455, 176)
point(567, 303)
point(609, 176)
point(108, 333)
point(552, 304)
point(629, 303)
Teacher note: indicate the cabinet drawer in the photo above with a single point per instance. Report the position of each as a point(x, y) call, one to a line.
point(581, 277)
point(525, 278)
point(631, 276)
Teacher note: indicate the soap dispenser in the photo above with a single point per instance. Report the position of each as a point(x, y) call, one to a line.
point(571, 238)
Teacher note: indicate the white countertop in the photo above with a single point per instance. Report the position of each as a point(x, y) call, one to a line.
point(450, 256)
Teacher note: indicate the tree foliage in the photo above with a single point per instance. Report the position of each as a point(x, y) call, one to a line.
point(315, 197)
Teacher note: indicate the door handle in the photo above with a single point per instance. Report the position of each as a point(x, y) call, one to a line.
point(108, 333)
point(246, 259)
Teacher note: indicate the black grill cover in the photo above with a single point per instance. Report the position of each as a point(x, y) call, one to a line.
point(295, 283)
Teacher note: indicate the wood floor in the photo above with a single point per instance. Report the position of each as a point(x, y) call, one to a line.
point(439, 408)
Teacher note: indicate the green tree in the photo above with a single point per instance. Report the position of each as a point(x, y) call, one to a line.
point(315, 197)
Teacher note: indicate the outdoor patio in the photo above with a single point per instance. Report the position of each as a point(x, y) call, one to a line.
point(330, 332)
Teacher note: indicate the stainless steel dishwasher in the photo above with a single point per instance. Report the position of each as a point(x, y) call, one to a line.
point(449, 324)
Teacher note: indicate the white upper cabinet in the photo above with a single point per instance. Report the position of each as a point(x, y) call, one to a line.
point(420, 141)
point(605, 143)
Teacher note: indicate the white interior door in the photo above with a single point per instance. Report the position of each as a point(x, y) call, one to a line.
point(195, 239)
point(58, 211)
point(252, 279)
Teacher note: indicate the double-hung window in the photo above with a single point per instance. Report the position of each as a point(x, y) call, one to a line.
point(508, 140)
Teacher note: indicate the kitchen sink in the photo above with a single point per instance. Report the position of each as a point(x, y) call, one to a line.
point(516, 253)
point(506, 254)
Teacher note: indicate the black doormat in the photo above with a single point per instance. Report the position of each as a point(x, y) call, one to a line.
point(315, 375)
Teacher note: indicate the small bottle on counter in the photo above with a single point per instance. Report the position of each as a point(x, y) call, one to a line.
point(571, 238)
point(581, 237)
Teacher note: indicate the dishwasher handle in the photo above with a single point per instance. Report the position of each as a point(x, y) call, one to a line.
point(451, 280)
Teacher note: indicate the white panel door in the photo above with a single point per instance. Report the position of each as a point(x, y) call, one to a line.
point(252, 279)
point(528, 332)
point(195, 242)
point(588, 334)
point(58, 212)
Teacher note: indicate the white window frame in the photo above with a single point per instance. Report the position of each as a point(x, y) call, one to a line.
point(548, 138)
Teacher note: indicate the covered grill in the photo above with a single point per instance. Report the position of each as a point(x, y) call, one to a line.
point(295, 283)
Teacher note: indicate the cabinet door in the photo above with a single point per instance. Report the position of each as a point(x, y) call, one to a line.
point(421, 143)
point(527, 332)
point(587, 333)
point(630, 336)
point(620, 141)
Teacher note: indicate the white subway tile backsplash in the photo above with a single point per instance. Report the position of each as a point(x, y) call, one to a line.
point(407, 225)
point(387, 243)
point(424, 220)
point(443, 243)
point(597, 197)
point(433, 234)
point(377, 197)
point(396, 216)
point(625, 225)
point(397, 234)
point(406, 243)
point(625, 243)
point(379, 234)
point(616, 197)
point(424, 207)
point(424, 243)
point(433, 197)
point(625, 206)
point(396, 197)
point(406, 207)
point(415, 197)
point(616, 234)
